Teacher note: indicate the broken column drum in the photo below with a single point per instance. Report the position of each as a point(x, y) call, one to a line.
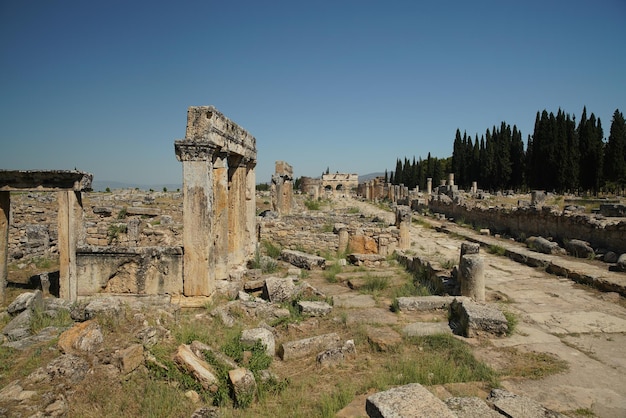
point(403, 222)
point(219, 158)
point(282, 188)
point(472, 277)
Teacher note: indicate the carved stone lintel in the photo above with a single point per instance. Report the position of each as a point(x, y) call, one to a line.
point(194, 151)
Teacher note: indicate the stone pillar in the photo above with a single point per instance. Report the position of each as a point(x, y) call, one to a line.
point(5, 210)
point(472, 277)
point(251, 235)
point(70, 229)
point(450, 179)
point(220, 215)
point(403, 222)
point(282, 188)
point(236, 209)
point(344, 238)
point(198, 206)
point(474, 187)
point(469, 248)
point(429, 185)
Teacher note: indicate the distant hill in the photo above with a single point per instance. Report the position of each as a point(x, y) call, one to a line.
point(367, 177)
point(101, 185)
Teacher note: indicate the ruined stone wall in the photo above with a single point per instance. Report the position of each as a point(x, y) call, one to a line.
point(546, 221)
point(320, 233)
point(33, 229)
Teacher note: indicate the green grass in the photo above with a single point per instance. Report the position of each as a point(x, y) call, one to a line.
point(271, 249)
point(330, 274)
point(496, 249)
point(374, 284)
point(40, 320)
point(312, 204)
point(512, 321)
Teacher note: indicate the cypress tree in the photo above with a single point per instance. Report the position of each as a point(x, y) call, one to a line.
point(615, 156)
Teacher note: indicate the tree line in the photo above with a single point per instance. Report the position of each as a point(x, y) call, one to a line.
point(559, 156)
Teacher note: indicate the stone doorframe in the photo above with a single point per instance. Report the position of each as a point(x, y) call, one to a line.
point(69, 185)
point(219, 208)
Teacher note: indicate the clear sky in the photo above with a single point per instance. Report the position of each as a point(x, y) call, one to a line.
point(104, 86)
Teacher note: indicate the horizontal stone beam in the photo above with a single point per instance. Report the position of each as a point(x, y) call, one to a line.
point(209, 127)
point(45, 180)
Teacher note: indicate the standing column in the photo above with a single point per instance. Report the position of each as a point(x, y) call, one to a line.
point(5, 210)
point(236, 209)
point(251, 236)
point(70, 225)
point(403, 222)
point(220, 215)
point(429, 185)
point(198, 239)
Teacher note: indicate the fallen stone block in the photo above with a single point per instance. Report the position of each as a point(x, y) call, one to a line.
point(512, 405)
point(365, 259)
point(199, 369)
point(424, 303)
point(251, 336)
point(83, 337)
point(28, 300)
point(314, 308)
point(383, 338)
point(200, 349)
point(579, 248)
point(301, 348)
point(303, 260)
point(337, 355)
point(129, 358)
point(472, 319)
point(19, 327)
point(544, 246)
point(412, 400)
point(279, 289)
point(243, 385)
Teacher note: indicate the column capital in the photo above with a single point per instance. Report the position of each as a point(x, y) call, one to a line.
point(194, 151)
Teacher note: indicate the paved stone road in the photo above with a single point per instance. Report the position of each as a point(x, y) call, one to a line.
point(584, 327)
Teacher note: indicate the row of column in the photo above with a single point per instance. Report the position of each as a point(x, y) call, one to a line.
point(218, 215)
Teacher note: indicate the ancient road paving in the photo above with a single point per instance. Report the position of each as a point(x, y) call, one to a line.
point(582, 326)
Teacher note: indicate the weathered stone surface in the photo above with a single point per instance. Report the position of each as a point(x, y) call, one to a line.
point(383, 338)
point(303, 260)
point(251, 336)
point(542, 245)
point(426, 328)
point(471, 407)
point(23, 301)
point(199, 369)
point(206, 412)
point(314, 308)
point(46, 334)
point(471, 319)
point(108, 306)
point(15, 392)
point(579, 248)
point(67, 367)
point(129, 358)
point(517, 406)
point(279, 289)
point(424, 303)
point(244, 386)
point(412, 400)
point(336, 355)
point(301, 348)
point(85, 336)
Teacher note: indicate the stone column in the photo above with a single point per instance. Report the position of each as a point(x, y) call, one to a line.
point(251, 235)
point(70, 226)
point(5, 210)
point(472, 277)
point(220, 215)
point(344, 238)
point(450, 179)
point(469, 248)
point(236, 209)
point(198, 206)
point(403, 222)
point(282, 188)
point(474, 187)
point(429, 185)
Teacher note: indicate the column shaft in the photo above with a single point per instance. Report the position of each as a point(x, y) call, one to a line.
point(70, 226)
point(5, 211)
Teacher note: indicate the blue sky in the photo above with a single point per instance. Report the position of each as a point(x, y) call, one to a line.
point(349, 85)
